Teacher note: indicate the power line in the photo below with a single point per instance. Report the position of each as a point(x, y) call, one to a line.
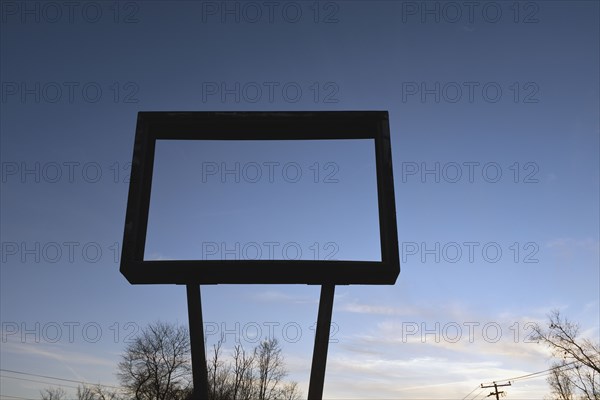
point(14, 397)
point(6, 396)
point(484, 396)
point(476, 395)
point(476, 387)
point(532, 375)
point(33, 380)
point(59, 379)
point(535, 374)
point(480, 395)
point(542, 372)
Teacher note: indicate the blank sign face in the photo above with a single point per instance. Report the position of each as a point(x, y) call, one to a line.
point(264, 200)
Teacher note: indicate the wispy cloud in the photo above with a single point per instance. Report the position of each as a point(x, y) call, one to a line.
point(282, 297)
point(450, 310)
point(589, 244)
point(376, 309)
point(423, 352)
point(415, 378)
point(43, 351)
point(155, 256)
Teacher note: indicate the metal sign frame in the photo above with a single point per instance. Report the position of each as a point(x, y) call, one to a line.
point(152, 126)
point(301, 125)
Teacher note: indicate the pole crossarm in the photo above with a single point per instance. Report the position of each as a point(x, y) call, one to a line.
point(495, 392)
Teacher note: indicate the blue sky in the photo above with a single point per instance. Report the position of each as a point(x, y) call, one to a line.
point(495, 138)
point(277, 200)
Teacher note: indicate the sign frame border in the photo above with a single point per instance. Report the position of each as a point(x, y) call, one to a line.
point(257, 125)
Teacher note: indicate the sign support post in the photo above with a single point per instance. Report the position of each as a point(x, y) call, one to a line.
point(319, 361)
point(199, 371)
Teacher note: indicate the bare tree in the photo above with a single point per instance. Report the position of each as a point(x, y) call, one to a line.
point(562, 388)
point(53, 394)
point(97, 392)
point(156, 365)
point(243, 374)
point(85, 393)
point(270, 368)
point(577, 373)
point(290, 391)
point(250, 376)
point(101, 393)
point(218, 375)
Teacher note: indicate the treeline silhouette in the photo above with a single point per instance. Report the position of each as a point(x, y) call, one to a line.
point(156, 365)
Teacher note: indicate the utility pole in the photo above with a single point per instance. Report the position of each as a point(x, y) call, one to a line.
point(495, 392)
